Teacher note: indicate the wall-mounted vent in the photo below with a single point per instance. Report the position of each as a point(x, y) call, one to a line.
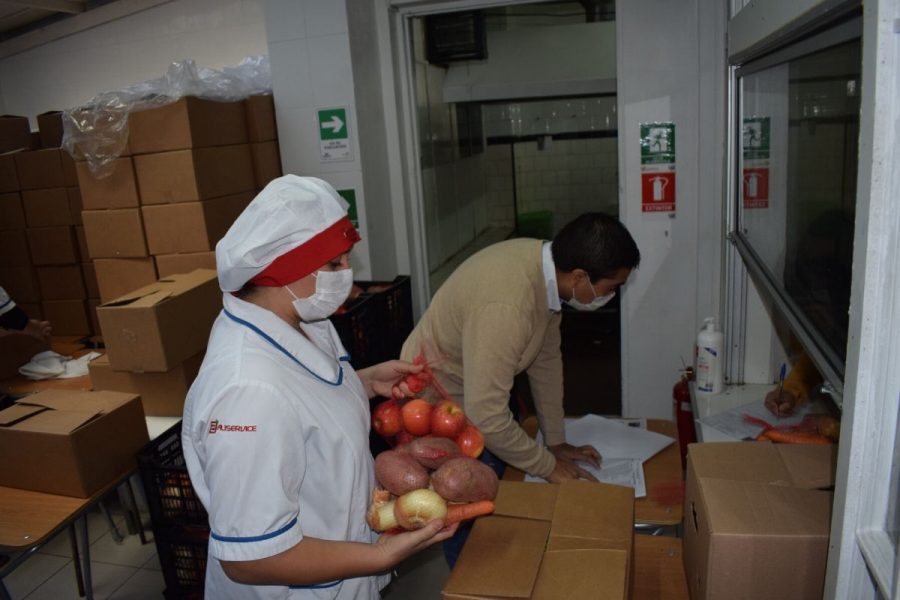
point(455, 36)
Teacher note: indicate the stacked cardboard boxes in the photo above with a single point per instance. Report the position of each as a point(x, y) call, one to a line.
point(51, 206)
point(17, 275)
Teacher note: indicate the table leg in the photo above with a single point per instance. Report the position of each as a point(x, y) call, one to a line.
point(113, 529)
point(134, 510)
point(76, 560)
point(86, 557)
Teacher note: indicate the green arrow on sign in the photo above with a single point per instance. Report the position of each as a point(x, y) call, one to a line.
point(332, 123)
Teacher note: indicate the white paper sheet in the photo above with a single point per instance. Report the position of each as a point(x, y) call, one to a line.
point(731, 422)
point(623, 444)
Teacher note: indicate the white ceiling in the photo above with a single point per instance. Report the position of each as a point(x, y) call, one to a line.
point(20, 16)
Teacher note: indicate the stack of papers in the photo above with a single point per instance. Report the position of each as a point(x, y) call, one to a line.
point(732, 423)
point(623, 444)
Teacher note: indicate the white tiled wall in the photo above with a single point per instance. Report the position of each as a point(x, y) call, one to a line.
point(550, 116)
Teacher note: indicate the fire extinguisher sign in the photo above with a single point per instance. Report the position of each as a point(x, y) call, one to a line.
point(755, 168)
point(657, 167)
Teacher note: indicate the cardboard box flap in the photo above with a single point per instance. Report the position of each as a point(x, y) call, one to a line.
point(499, 545)
point(17, 412)
point(739, 461)
point(595, 511)
point(56, 421)
point(157, 292)
point(526, 500)
point(810, 465)
point(753, 508)
point(78, 401)
point(601, 575)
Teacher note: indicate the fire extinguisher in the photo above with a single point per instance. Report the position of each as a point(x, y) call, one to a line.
point(684, 415)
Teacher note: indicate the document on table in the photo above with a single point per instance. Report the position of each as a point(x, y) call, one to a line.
point(732, 423)
point(624, 449)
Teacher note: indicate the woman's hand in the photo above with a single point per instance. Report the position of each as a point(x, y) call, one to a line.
point(385, 379)
point(567, 457)
point(399, 546)
point(781, 404)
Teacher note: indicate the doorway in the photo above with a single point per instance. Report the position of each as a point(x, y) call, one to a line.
point(514, 142)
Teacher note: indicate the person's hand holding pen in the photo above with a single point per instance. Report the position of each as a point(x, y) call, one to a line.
point(781, 403)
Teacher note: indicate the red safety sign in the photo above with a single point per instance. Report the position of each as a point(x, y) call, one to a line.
point(658, 191)
point(756, 187)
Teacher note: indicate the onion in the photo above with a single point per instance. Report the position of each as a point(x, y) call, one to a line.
point(416, 508)
point(380, 517)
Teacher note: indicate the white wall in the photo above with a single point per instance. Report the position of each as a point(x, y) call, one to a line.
point(661, 46)
point(70, 71)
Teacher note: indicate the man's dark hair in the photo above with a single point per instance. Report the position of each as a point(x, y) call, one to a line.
point(597, 243)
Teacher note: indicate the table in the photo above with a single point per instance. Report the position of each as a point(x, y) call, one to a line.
point(731, 397)
point(658, 569)
point(664, 503)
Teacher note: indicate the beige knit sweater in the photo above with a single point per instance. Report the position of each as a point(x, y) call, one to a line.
point(490, 321)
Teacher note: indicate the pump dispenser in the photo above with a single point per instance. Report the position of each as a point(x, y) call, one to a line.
point(710, 355)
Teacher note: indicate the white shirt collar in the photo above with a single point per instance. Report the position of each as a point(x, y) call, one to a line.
point(321, 354)
point(550, 277)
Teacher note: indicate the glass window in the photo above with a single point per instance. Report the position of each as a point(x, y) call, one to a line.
point(799, 121)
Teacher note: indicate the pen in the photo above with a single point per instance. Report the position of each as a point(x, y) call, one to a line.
point(781, 385)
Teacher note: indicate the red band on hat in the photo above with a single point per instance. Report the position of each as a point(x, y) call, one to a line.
point(310, 255)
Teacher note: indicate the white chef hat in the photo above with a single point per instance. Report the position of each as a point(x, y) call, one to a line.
point(290, 229)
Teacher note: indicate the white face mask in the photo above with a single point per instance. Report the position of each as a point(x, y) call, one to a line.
point(332, 289)
point(594, 304)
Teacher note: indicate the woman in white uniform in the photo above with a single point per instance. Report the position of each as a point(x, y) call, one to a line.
point(276, 425)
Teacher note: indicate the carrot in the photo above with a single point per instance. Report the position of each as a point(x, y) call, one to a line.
point(755, 421)
point(469, 510)
point(795, 437)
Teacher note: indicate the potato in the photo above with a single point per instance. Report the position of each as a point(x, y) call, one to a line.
point(465, 479)
point(431, 452)
point(399, 473)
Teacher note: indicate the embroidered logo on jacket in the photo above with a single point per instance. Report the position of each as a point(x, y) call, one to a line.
point(215, 426)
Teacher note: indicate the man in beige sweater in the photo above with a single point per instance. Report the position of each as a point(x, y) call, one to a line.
point(499, 314)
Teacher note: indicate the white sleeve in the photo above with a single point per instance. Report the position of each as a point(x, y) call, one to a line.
point(255, 461)
point(6, 303)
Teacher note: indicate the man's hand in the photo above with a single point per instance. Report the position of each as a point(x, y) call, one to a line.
point(781, 405)
point(567, 457)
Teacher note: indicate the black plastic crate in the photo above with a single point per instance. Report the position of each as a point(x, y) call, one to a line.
point(358, 328)
point(395, 313)
point(170, 495)
point(182, 555)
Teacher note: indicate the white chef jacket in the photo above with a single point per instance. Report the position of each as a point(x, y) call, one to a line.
point(275, 437)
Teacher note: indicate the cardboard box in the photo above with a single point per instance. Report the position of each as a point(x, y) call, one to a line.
point(573, 541)
point(12, 216)
point(14, 248)
point(192, 175)
point(90, 278)
point(266, 162)
point(40, 169)
point(191, 226)
point(172, 264)
point(74, 195)
point(15, 133)
point(162, 394)
point(187, 123)
point(81, 244)
point(161, 325)
point(114, 233)
point(67, 317)
point(260, 118)
point(52, 245)
point(50, 129)
point(32, 309)
point(61, 283)
point(70, 442)
point(756, 524)
point(9, 180)
point(117, 190)
point(46, 207)
point(20, 283)
point(119, 276)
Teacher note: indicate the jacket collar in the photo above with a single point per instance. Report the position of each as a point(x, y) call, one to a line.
point(320, 354)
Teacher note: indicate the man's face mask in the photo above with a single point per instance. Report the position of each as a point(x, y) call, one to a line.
point(332, 289)
point(594, 304)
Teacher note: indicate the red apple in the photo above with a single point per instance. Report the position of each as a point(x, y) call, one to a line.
point(387, 420)
point(470, 441)
point(447, 419)
point(417, 416)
